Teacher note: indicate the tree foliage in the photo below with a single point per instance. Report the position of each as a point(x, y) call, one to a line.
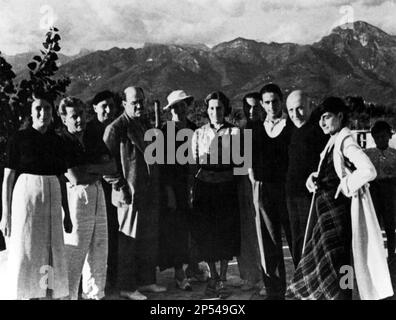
point(15, 100)
point(7, 118)
point(363, 115)
point(42, 70)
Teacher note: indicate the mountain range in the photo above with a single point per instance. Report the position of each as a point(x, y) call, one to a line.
point(20, 61)
point(354, 59)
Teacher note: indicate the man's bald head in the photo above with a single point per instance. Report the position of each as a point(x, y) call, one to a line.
point(298, 108)
point(133, 101)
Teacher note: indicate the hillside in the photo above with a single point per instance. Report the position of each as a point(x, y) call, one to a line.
point(354, 59)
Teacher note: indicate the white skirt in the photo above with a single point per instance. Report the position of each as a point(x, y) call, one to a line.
point(36, 254)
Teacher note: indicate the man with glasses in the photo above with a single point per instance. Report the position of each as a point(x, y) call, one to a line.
point(136, 194)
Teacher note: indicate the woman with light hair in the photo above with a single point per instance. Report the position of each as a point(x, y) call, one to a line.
point(32, 214)
point(88, 159)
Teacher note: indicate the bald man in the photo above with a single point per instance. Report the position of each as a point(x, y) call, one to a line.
point(306, 144)
point(136, 194)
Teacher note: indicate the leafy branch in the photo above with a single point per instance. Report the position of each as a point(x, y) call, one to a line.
point(15, 100)
point(42, 69)
point(7, 119)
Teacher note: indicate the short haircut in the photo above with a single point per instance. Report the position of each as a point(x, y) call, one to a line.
point(41, 95)
point(123, 94)
point(272, 88)
point(218, 95)
point(245, 105)
point(69, 102)
point(334, 105)
point(381, 126)
point(102, 96)
point(251, 95)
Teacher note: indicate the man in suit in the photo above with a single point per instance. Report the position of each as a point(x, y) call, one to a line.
point(306, 144)
point(135, 193)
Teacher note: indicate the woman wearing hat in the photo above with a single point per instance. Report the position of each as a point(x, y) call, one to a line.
point(216, 226)
point(32, 209)
point(342, 217)
point(174, 219)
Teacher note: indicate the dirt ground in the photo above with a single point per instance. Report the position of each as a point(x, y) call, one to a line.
point(166, 278)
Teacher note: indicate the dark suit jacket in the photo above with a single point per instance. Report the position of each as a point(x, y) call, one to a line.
point(125, 140)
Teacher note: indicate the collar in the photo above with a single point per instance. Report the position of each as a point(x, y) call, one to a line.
point(225, 124)
point(73, 137)
point(35, 131)
point(275, 128)
point(138, 121)
point(129, 117)
point(276, 121)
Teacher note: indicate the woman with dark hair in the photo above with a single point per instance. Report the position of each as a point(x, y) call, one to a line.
point(249, 259)
point(215, 205)
point(342, 217)
point(32, 209)
point(252, 110)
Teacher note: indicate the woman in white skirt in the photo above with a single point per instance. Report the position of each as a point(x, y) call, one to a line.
point(32, 210)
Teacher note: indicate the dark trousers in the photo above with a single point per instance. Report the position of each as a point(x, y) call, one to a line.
point(134, 268)
point(249, 259)
point(271, 216)
point(298, 208)
point(112, 227)
point(174, 229)
point(383, 193)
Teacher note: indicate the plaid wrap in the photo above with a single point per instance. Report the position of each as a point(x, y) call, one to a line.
point(317, 276)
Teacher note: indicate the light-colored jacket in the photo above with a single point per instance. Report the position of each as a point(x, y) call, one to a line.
point(124, 137)
point(370, 264)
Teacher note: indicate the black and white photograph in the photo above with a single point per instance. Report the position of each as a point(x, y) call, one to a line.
point(211, 151)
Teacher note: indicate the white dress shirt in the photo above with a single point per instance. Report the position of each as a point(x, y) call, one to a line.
point(275, 127)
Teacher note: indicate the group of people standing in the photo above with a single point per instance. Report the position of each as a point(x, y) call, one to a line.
point(82, 202)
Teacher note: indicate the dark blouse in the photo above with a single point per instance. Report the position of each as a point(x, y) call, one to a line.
point(32, 152)
point(174, 174)
point(328, 180)
point(91, 151)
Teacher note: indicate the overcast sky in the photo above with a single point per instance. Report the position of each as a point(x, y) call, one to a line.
point(102, 24)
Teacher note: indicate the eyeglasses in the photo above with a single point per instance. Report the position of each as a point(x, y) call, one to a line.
point(135, 103)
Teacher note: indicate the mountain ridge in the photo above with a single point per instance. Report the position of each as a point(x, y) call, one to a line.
point(354, 59)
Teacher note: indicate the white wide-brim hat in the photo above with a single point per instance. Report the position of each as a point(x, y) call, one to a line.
point(177, 96)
